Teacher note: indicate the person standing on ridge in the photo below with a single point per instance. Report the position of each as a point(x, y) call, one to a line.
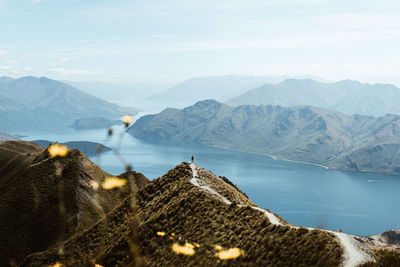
point(192, 159)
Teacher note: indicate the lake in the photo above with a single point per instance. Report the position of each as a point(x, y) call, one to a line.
point(302, 194)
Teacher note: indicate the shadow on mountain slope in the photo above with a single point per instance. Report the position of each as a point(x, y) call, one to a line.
point(45, 200)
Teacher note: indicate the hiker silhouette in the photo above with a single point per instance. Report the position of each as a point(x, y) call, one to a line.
point(192, 159)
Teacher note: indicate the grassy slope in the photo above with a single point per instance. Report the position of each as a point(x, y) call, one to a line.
point(173, 205)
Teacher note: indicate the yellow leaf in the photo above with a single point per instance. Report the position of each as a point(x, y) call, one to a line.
point(229, 254)
point(161, 233)
point(127, 120)
point(187, 249)
point(57, 264)
point(217, 247)
point(113, 182)
point(57, 150)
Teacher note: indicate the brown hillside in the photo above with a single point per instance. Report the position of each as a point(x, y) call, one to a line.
point(45, 200)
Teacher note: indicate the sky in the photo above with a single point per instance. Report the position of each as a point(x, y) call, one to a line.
point(170, 40)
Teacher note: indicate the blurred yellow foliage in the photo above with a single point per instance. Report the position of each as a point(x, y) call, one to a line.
point(217, 247)
point(57, 150)
point(57, 264)
point(113, 182)
point(229, 254)
point(127, 120)
point(161, 233)
point(94, 185)
point(187, 249)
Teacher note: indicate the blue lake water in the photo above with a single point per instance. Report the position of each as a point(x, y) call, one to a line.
point(303, 194)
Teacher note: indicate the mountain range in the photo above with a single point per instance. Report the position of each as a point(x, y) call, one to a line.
point(300, 133)
point(349, 97)
point(221, 88)
point(43, 104)
point(57, 211)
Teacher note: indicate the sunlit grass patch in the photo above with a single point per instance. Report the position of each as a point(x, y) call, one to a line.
point(161, 233)
point(113, 182)
point(187, 249)
point(229, 254)
point(57, 150)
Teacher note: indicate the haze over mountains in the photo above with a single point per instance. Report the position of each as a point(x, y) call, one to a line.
point(39, 103)
point(349, 97)
point(301, 133)
point(221, 88)
point(125, 94)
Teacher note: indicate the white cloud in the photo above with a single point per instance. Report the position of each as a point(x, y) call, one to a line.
point(64, 60)
point(163, 36)
point(12, 62)
point(38, 1)
point(3, 52)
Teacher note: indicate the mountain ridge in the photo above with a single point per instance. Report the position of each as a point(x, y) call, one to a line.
point(346, 96)
point(300, 133)
point(190, 212)
point(42, 103)
point(221, 88)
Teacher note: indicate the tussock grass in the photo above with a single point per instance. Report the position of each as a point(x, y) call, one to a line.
point(171, 204)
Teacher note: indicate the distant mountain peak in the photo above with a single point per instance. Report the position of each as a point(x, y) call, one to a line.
point(42, 103)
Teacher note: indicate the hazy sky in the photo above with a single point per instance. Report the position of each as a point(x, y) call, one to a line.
point(127, 41)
